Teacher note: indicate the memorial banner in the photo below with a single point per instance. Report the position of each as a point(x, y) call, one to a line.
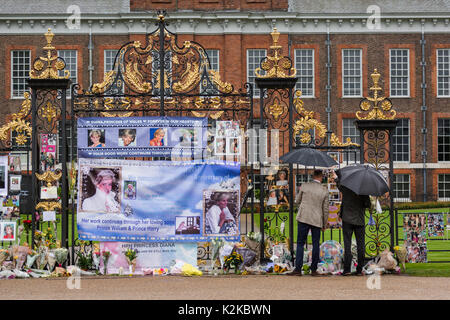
point(150, 255)
point(141, 137)
point(145, 201)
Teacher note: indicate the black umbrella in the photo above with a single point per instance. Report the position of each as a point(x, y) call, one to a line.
point(363, 180)
point(309, 157)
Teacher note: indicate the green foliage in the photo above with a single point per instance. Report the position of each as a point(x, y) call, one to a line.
point(420, 205)
point(85, 260)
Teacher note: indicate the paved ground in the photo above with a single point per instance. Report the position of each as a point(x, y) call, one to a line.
point(230, 287)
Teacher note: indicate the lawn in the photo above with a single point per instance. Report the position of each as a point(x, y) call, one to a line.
point(428, 269)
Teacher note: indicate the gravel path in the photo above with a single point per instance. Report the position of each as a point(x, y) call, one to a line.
point(229, 287)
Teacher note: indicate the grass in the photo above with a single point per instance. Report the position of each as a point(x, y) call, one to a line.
point(428, 269)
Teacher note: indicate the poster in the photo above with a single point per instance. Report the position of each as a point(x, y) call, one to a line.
point(3, 175)
point(435, 225)
point(150, 255)
point(334, 221)
point(48, 151)
point(415, 228)
point(277, 188)
point(7, 230)
point(9, 206)
point(141, 137)
point(144, 201)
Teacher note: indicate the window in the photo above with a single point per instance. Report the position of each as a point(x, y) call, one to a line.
point(349, 131)
point(399, 72)
point(253, 152)
point(109, 56)
point(254, 57)
point(444, 187)
point(304, 63)
point(71, 152)
point(443, 139)
point(401, 187)
point(401, 141)
point(302, 178)
point(20, 71)
point(213, 56)
point(70, 58)
point(443, 72)
point(351, 72)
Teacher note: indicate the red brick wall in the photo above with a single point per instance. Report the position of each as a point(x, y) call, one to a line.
point(206, 5)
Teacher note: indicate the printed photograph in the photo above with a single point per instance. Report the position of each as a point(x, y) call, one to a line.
point(221, 212)
point(14, 163)
point(127, 138)
point(220, 146)
point(100, 189)
point(272, 199)
point(221, 128)
point(232, 129)
point(187, 225)
point(14, 182)
point(129, 190)
point(158, 137)
point(3, 179)
point(435, 225)
point(416, 253)
point(96, 138)
point(282, 178)
point(8, 230)
point(334, 221)
point(234, 146)
point(186, 137)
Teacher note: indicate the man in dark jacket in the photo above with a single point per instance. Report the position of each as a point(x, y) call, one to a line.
point(352, 213)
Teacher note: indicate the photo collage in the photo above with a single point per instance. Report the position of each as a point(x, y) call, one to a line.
point(415, 228)
point(227, 139)
point(277, 188)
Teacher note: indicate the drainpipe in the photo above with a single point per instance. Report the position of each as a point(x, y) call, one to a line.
point(90, 48)
point(328, 87)
point(424, 114)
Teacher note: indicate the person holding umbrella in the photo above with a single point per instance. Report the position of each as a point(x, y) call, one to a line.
point(313, 209)
point(356, 183)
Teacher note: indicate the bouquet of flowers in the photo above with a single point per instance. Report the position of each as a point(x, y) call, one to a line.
point(105, 257)
point(4, 255)
point(31, 258)
point(96, 259)
point(27, 225)
point(22, 252)
point(51, 260)
point(216, 244)
point(61, 255)
point(41, 261)
point(131, 255)
point(233, 261)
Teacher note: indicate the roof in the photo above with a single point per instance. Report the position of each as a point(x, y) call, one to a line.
point(64, 6)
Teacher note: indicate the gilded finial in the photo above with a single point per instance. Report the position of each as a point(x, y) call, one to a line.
point(376, 107)
point(48, 67)
point(275, 65)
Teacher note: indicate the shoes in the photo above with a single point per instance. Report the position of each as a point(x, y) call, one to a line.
point(294, 273)
point(347, 274)
point(359, 273)
point(316, 274)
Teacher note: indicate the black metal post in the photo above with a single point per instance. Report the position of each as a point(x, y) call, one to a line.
point(64, 189)
point(161, 66)
point(291, 175)
point(261, 177)
point(35, 163)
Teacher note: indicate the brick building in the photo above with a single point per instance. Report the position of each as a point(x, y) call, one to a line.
point(335, 46)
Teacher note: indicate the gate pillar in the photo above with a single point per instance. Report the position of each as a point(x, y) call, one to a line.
point(49, 83)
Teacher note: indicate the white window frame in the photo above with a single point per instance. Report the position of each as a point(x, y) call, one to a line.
point(214, 66)
point(445, 136)
point(397, 76)
point(20, 94)
point(354, 138)
point(251, 72)
point(447, 71)
point(105, 59)
point(299, 70)
point(360, 75)
point(61, 72)
point(409, 142)
point(403, 182)
point(438, 189)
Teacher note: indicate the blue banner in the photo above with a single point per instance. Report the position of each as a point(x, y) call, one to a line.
point(141, 137)
point(146, 201)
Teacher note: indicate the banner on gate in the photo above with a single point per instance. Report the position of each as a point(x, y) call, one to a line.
point(141, 137)
point(145, 201)
point(150, 255)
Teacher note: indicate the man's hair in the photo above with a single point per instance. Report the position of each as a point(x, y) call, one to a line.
point(317, 173)
point(104, 174)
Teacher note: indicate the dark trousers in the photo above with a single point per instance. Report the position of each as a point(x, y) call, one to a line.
point(348, 230)
point(302, 236)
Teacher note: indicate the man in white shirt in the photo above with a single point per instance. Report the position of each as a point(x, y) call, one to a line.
point(103, 199)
